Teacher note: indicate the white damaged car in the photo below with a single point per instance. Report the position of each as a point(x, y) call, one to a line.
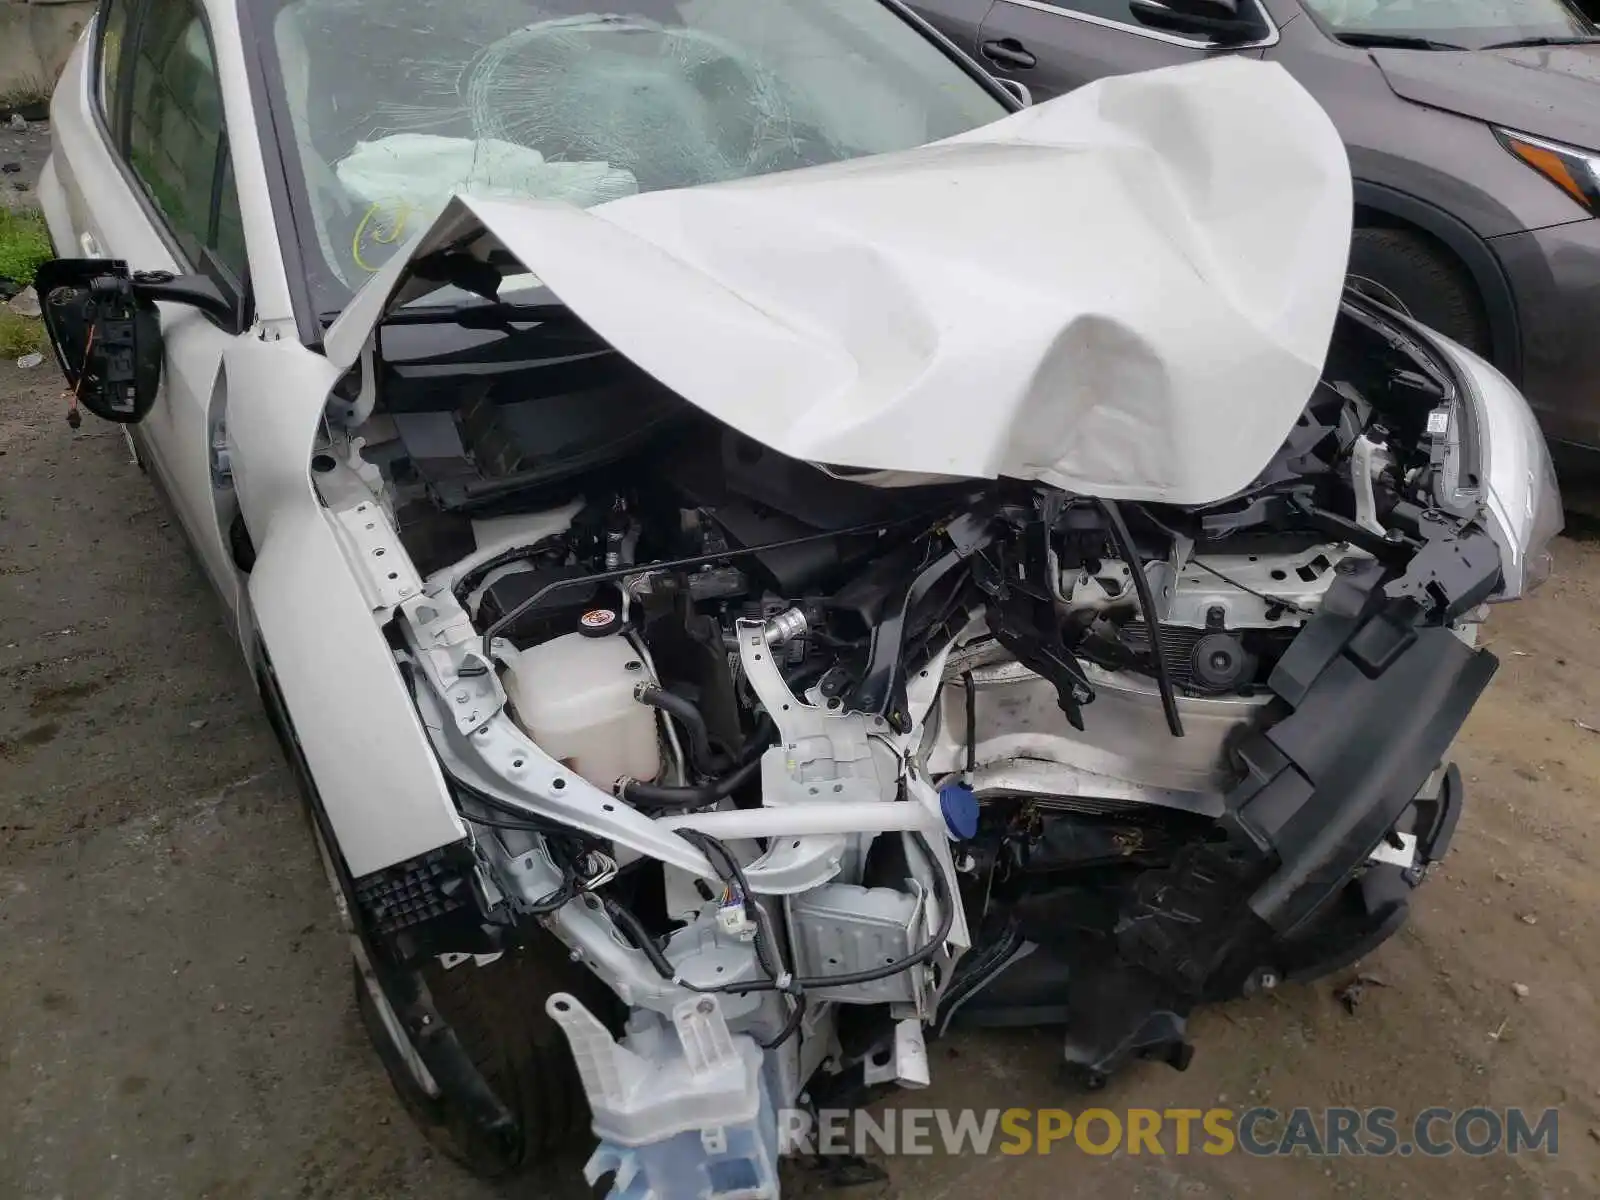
point(760, 546)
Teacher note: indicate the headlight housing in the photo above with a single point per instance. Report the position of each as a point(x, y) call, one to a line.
point(1575, 171)
point(1521, 499)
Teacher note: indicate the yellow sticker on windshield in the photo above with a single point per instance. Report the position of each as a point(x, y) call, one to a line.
point(383, 224)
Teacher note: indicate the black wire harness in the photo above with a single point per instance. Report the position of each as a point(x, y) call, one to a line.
point(1147, 607)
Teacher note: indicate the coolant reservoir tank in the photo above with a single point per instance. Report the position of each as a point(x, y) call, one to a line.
point(574, 696)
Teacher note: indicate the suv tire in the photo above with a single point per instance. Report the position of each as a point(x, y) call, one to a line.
point(1409, 272)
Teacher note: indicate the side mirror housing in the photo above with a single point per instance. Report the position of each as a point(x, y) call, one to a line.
point(106, 332)
point(106, 339)
point(1224, 22)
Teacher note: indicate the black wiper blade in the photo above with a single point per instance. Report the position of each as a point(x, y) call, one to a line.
point(498, 315)
point(483, 316)
point(1541, 41)
point(475, 315)
point(1396, 41)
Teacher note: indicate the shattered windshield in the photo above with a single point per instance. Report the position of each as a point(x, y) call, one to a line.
point(393, 105)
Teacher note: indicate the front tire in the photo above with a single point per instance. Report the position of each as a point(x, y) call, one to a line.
point(507, 1042)
point(1409, 272)
point(497, 1013)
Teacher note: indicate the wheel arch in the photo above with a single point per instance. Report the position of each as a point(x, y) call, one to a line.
point(456, 1089)
point(1384, 207)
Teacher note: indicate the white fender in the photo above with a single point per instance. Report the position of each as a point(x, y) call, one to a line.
point(379, 781)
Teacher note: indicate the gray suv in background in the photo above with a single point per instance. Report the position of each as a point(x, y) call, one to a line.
point(1473, 128)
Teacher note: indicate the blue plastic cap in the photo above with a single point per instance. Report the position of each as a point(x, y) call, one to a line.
point(960, 808)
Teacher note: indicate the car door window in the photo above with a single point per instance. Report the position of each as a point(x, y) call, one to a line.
point(113, 35)
point(228, 235)
point(176, 140)
point(1118, 11)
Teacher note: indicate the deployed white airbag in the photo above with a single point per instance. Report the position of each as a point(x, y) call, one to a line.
point(421, 171)
point(1126, 292)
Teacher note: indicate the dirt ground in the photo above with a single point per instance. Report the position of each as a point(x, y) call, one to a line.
point(22, 155)
point(175, 1010)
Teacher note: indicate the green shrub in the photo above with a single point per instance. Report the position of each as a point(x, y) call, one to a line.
point(19, 335)
point(24, 244)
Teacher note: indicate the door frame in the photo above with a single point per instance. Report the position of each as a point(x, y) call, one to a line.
point(114, 131)
point(113, 204)
point(1144, 31)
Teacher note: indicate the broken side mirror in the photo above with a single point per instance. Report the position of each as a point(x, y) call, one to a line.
point(106, 332)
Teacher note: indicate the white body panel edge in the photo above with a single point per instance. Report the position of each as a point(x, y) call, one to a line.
point(363, 741)
point(53, 203)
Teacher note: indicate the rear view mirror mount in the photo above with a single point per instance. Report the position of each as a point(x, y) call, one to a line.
point(106, 332)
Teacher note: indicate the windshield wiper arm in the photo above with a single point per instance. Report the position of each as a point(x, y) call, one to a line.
point(1541, 41)
point(1397, 41)
point(495, 315)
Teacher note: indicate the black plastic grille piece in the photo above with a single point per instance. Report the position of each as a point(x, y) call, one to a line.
point(408, 894)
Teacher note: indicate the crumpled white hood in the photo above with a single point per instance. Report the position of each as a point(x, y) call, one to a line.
point(1126, 292)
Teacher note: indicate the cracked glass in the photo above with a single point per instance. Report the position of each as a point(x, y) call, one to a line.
point(394, 105)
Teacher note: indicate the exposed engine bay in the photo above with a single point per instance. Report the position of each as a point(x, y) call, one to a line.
point(861, 757)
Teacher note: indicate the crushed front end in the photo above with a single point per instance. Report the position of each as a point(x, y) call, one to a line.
point(802, 770)
point(872, 624)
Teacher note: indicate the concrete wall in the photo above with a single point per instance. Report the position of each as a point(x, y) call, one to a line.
point(35, 38)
